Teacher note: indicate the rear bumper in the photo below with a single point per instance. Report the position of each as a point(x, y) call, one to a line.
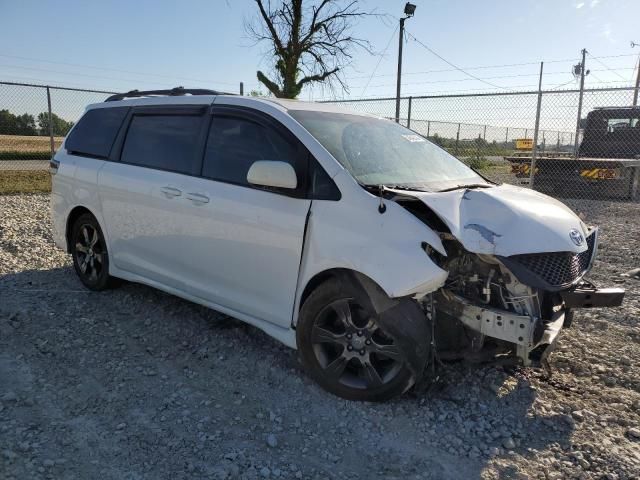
point(58, 220)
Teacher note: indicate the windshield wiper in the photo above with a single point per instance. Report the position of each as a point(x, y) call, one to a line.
point(467, 187)
point(397, 187)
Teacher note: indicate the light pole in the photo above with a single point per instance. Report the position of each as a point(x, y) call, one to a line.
point(409, 10)
point(635, 92)
point(579, 69)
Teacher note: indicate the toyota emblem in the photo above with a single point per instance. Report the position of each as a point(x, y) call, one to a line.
point(576, 237)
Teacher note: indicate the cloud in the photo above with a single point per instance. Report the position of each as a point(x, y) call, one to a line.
point(594, 3)
point(579, 5)
point(607, 33)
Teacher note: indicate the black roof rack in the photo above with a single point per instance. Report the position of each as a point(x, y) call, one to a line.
point(174, 92)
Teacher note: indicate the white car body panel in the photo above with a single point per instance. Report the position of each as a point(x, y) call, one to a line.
point(251, 253)
point(227, 251)
point(386, 247)
point(505, 220)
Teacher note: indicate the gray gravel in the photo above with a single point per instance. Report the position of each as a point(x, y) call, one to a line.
point(134, 383)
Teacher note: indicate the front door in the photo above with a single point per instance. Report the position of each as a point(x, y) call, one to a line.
point(246, 242)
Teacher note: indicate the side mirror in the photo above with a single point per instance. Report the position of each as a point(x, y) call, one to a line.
point(271, 173)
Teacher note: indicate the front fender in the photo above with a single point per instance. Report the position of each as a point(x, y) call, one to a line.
point(386, 247)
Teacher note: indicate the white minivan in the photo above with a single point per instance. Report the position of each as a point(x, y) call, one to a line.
point(349, 237)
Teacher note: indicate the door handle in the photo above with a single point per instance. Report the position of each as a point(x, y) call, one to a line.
point(171, 192)
point(197, 198)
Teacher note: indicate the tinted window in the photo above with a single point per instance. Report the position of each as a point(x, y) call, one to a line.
point(166, 142)
point(95, 132)
point(322, 187)
point(235, 143)
point(622, 124)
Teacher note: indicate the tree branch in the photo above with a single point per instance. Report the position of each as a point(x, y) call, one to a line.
point(317, 77)
point(269, 23)
point(271, 86)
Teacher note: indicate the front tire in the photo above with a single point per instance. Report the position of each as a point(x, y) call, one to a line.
point(343, 347)
point(89, 252)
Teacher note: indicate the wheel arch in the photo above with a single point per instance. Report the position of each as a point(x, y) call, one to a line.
point(376, 293)
point(73, 215)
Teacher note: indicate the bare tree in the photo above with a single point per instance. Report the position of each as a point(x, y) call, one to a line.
point(310, 43)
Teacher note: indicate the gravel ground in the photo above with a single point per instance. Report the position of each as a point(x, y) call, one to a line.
point(134, 383)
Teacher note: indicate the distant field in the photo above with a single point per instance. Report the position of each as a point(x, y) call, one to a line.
point(23, 147)
point(24, 143)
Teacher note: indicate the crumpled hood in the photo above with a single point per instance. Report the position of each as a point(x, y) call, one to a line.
point(506, 220)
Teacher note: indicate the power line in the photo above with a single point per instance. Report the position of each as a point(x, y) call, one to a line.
point(483, 78)
point(93, 67)
point(36, 69)
point(452, 64)
point(380, 59)
point(481, 67)
point(455, 69)
point(39, 81)
point(602, 63)
point(564, 84)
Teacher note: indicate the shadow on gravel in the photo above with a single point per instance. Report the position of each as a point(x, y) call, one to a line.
point(135, 383)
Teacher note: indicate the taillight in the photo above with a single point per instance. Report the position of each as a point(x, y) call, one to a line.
point(53, 166)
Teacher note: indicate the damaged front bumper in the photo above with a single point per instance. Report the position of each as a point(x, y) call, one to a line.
point(533, 338)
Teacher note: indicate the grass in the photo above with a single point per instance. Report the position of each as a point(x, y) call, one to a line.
point(24, 181)
point(16, 155)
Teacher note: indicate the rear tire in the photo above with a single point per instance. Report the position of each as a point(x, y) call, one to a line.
point(345, 350)
point(89, 252)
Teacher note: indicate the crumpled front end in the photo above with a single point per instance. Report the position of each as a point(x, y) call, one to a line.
point(516, 262)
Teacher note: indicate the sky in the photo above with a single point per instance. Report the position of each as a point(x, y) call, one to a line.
point(121, 45)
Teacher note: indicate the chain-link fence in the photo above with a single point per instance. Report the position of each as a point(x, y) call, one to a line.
point(34, 119)
point(578, 151)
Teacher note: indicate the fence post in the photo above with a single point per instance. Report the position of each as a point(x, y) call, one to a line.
point(428, 128)
point(51, 144)
point(241, 88)
point(409, 113)
point(506, 138)
point(575, 146)
point(457, 139)
point(484, 134)
point(536, 131)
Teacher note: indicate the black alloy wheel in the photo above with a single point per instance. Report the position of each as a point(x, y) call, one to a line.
point(344, 348)
point(89, 251)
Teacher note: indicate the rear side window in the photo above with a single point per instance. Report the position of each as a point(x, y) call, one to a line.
point(95, 132)
point(164, 142)
point(234, 143)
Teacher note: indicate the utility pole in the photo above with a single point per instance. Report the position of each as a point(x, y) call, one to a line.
point(409, 10)
point(635, 92)
point(582, 74)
